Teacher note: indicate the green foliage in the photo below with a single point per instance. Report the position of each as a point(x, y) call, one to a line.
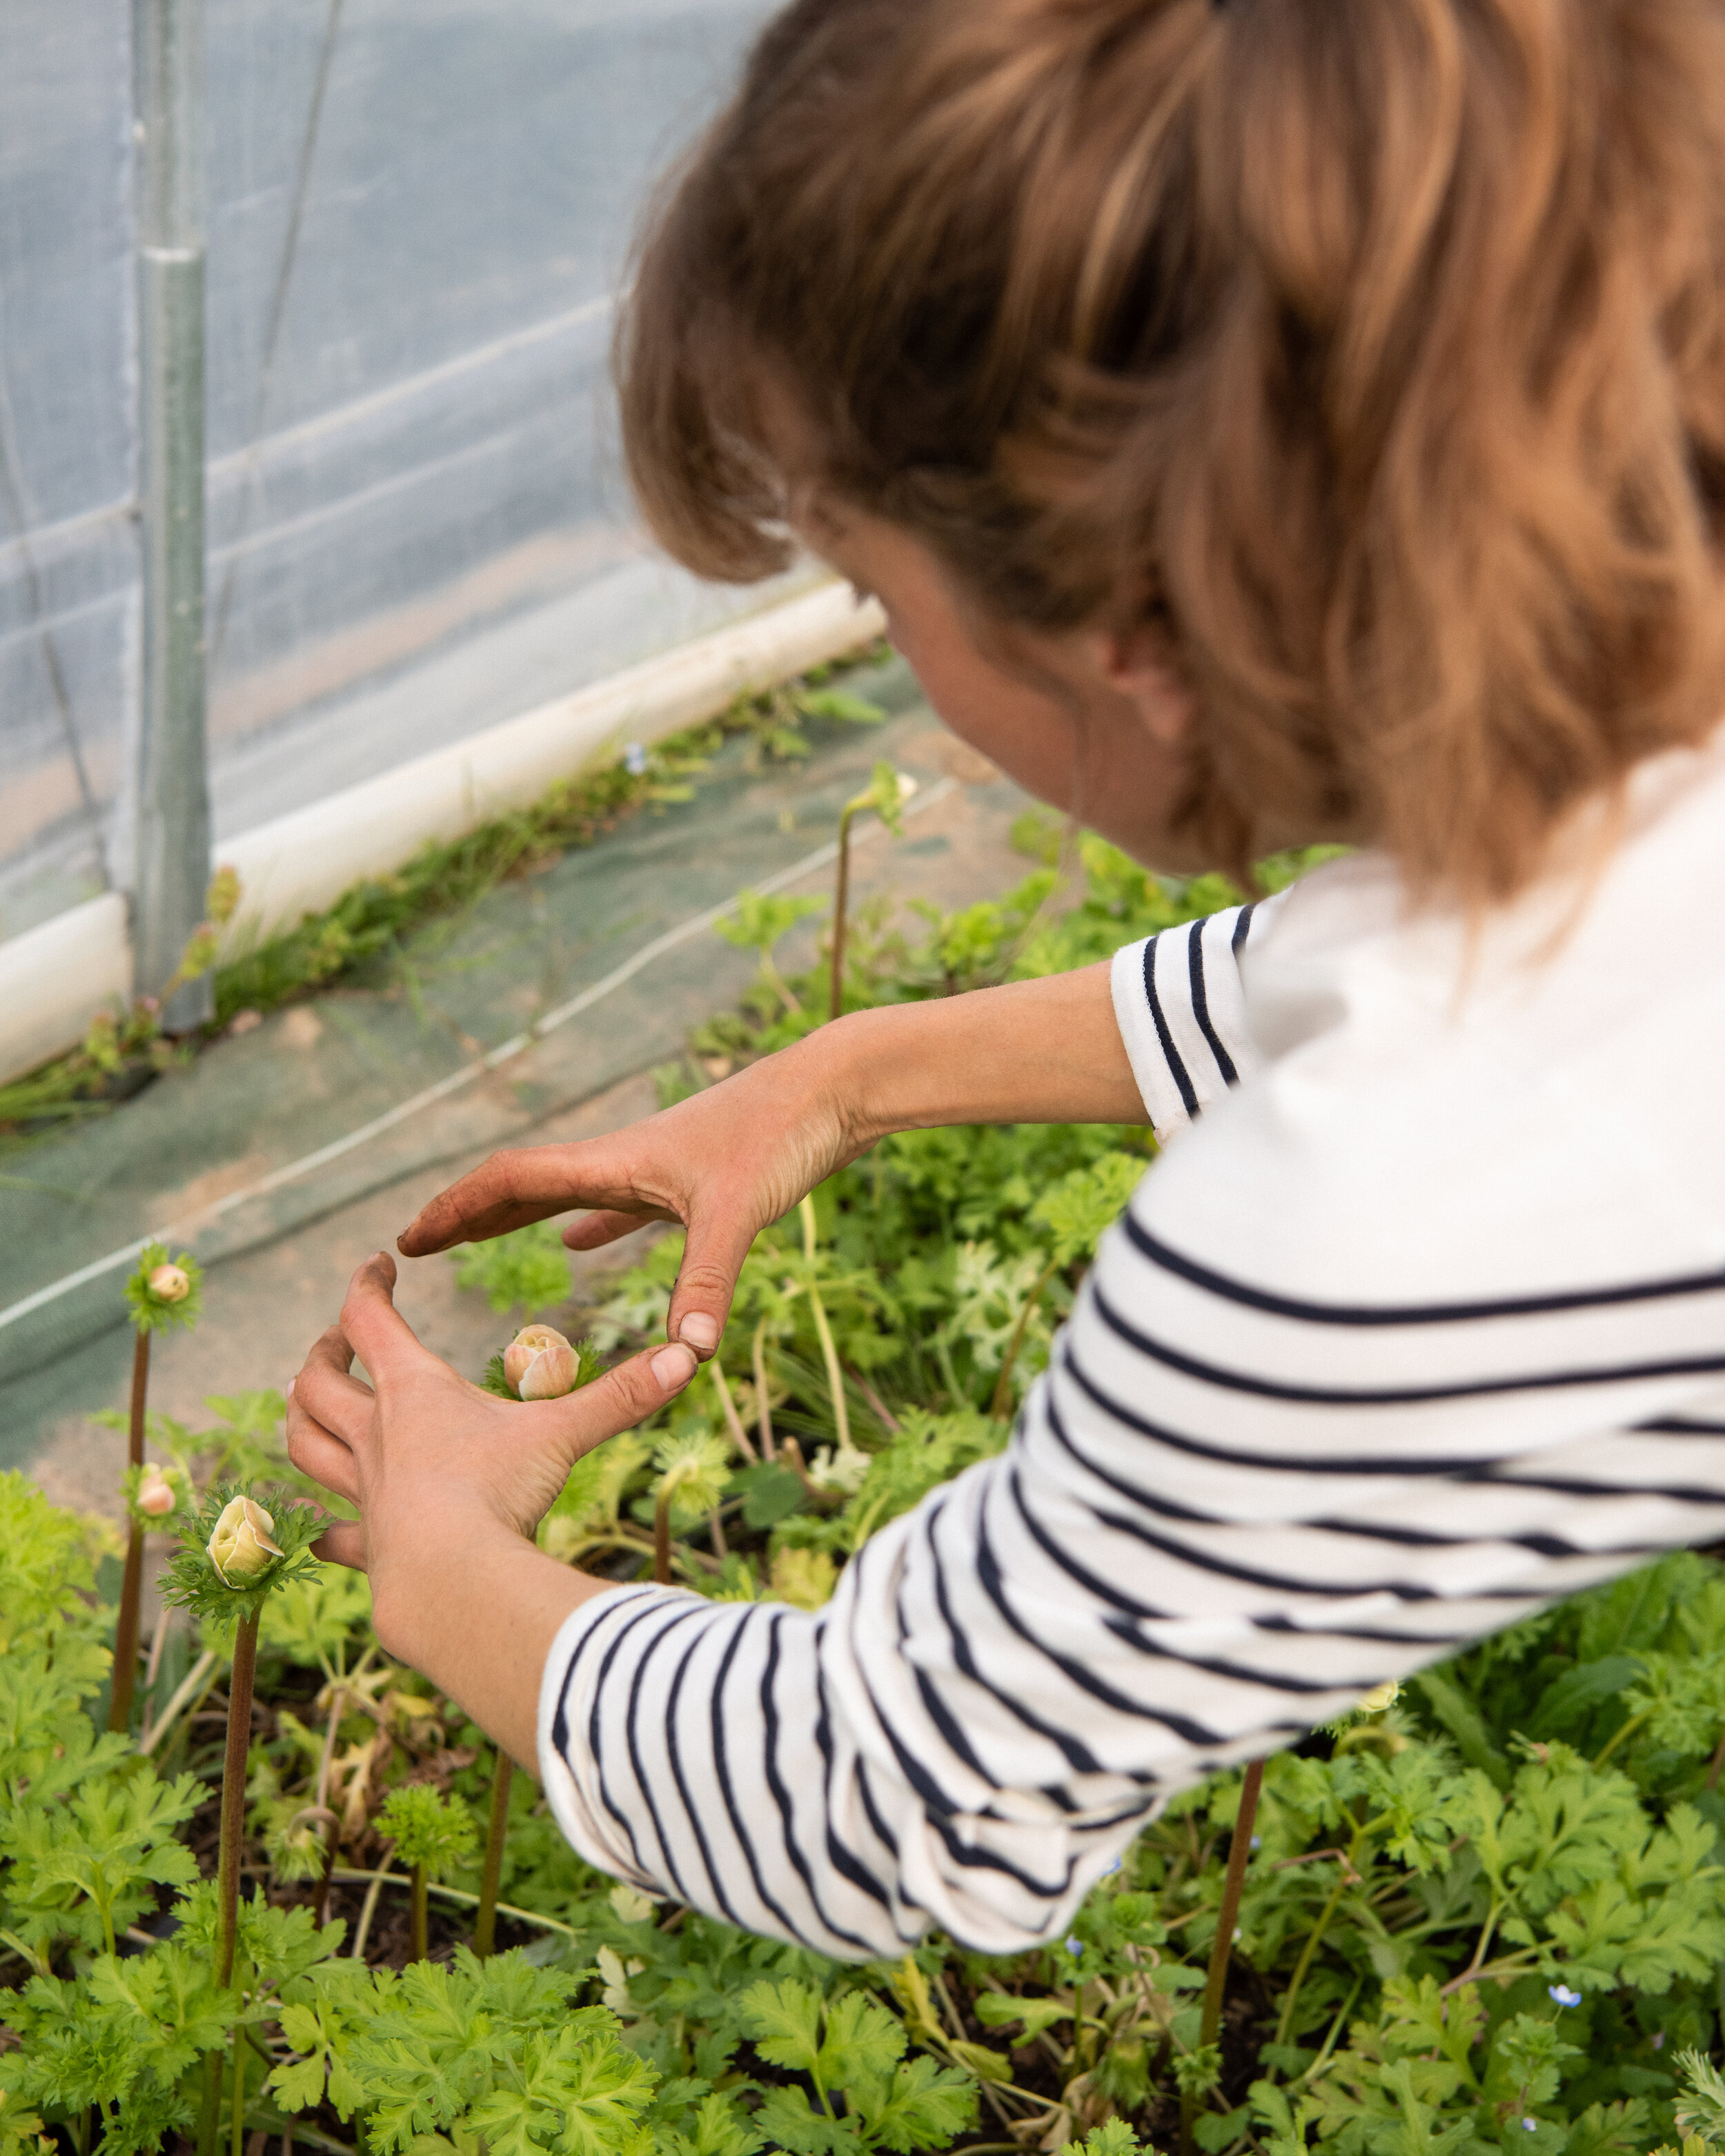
point(46, 1564)
point(85, 1868)
point(867, 2094)
point(757, 923)
point(316, 1619)
point(126, 2036)
point(1116, 2138)
point(431, 1833)
point(527, 1270)
point(490, 2052)
point(1076, 1211)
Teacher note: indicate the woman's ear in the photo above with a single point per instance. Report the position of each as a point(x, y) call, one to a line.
point(1136, 665)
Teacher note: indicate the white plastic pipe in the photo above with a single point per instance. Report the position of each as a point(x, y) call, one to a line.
point(54, 979)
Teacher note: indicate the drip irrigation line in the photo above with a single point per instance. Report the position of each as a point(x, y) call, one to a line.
point(458, 1080)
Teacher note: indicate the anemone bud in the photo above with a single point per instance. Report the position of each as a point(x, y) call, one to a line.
point(552, 1372)
point(243, 1541)
point(169, 1284)
point(156, 1494)
point(533, 1340)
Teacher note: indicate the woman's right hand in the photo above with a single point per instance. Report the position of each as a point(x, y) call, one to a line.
point(724, 1163)
point(743, 1153)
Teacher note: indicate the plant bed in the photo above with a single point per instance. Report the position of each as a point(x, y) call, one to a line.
point(361, 936)
point(1487, 1913)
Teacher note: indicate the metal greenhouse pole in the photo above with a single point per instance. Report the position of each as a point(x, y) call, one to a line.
point(174, 816)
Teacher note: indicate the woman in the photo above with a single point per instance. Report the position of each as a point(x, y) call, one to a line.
point(1291, 420)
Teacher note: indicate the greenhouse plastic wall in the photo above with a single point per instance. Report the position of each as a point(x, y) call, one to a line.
point(419, 211)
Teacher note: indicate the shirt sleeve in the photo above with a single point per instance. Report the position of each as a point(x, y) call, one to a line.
point(1181, 1008)
point(1224, 1516)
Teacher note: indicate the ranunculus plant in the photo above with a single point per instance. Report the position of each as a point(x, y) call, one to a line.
point(229, 1558)
point(161, 1292)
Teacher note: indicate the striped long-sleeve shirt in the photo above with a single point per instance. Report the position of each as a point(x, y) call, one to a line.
point(1418, 1323)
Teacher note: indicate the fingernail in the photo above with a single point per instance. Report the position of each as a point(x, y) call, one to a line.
point(700, 1331)
point(674, 1366)
point(292, 1382)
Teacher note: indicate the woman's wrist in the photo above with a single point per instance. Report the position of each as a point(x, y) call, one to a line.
point(443, 1606)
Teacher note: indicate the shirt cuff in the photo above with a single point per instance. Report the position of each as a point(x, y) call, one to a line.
point(565, 1767)
point(1144, 1047)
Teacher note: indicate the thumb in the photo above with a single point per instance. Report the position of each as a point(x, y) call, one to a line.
point(700, 1301)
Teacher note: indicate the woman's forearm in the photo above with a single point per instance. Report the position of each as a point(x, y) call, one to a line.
point(1046, 1051)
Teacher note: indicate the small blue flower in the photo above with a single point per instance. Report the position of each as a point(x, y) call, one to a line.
point(1530, 2125)
point(1563, 1994)
point(1257, 1842)
point(1075, 1945)
point(634, 759)
point(1112, 1864)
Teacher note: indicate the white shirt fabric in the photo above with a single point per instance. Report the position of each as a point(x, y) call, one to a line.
point(1418, 1324)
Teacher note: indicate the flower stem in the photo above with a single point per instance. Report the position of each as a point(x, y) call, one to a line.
point(1350, 1872)
point(485, 1922)
point(1627, 1730)
point(239, 1736)
point(1239, 1851)
point(761, 1398)
point(131, 1590)
point(841, 898)
point(209, 2116)
point(829, 1354)
point(1000, 1407)
point(416, 1942)
point(236, 2143)
point(661, 1539)
point(733, 1421)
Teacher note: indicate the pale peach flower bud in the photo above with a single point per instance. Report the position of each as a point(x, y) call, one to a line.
point(528, 1345)
point(169, 1284)
point(243, 1542)
point(552, 1372)
point(156, 1495)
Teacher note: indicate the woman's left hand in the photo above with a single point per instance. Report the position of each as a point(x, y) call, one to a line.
point(450, 1483)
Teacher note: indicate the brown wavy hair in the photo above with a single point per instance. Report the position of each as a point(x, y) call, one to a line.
point(1374, 349)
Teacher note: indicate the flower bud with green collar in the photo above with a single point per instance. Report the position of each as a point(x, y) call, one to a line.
point(156, 1495)
point(164, 1290)
point(236, 1549)
point(538, 1364)
point(243, 1543)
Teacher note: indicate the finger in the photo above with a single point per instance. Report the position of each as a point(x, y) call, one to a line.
point(331, 1351)
point(621, 1398)
point(592, 1231)
point(317, 1452)
point(330, 1396)
point(342, 1543)
point(510, 1190)
point(372, 1326)
point(720, 1237)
